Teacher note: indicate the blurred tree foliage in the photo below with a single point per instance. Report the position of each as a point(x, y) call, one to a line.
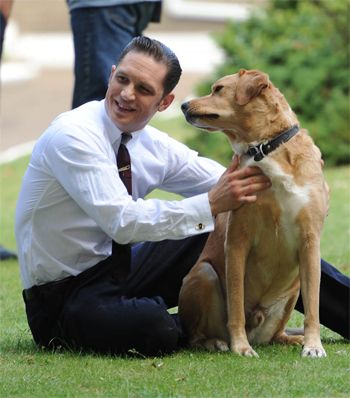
point(304, 47)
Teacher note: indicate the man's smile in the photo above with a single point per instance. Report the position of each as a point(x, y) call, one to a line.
point(122, 107)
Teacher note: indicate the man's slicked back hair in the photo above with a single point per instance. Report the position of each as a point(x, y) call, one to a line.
point(160, 53)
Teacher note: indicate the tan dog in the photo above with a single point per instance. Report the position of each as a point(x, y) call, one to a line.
point(246, 282)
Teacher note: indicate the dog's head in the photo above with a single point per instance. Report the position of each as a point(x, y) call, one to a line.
point(246, 106)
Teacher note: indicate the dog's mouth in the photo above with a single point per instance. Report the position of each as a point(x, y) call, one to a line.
point(197, 116)
point(208, 116)
point(198, 120)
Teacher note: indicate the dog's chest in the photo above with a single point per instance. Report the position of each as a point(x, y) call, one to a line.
point(288, 196)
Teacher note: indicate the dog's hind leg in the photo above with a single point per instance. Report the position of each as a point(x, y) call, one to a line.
point(202, 309)
point(281, 337)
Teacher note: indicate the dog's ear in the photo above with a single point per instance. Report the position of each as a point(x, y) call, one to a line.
point(250, 84)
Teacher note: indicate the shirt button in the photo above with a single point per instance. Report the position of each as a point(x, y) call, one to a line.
point(199, 226)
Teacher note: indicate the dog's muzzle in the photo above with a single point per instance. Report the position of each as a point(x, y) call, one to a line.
point(193, 117)
point(185, 109)
point(185, 106)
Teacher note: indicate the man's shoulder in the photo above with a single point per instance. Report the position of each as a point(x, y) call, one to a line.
point(81, 116)
point(75, 125)
point(85, 120)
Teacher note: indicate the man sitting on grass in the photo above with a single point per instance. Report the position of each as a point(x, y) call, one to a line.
point(89, 282)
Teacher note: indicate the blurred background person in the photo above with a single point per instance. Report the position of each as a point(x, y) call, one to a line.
point(101, 29)
point(5, 9)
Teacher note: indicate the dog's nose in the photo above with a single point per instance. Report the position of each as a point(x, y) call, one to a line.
point(185, 106)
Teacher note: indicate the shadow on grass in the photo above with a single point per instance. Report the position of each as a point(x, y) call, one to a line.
point(24, 344)
point(26, 347)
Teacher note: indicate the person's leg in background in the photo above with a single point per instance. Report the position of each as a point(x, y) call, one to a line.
point(6, 254)
point(5, 9)
point(2, 31)
point(100, 34)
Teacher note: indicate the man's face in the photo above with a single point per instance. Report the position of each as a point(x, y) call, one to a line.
point(135, 91)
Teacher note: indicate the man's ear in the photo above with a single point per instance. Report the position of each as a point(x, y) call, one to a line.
point(113, 69)
point(166, 102)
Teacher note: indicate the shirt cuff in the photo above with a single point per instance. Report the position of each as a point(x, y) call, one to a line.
point(200, 218)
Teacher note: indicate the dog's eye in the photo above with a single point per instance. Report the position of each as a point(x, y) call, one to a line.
point(217, 89)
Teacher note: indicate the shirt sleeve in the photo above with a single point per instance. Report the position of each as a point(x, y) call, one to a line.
point(188, 173)
point(91, 179)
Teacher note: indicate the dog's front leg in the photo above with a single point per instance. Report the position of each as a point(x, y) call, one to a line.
point(310, 273)
point(236, 249)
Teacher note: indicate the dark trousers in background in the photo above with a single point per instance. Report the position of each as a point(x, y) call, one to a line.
point(100, 34)
point(101, 311)
point(2, 32)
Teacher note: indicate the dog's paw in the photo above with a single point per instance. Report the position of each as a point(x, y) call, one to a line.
point(245, 351)
point(221, 345)
point(215, 345)
point(313, 352)
point(284, 338)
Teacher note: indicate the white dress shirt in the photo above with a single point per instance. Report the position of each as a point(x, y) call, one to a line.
point(73, 203)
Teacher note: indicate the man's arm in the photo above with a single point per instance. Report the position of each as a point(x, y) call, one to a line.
point(90, 178)
point(189, 174)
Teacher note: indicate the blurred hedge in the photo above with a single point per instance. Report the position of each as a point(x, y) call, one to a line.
point(304, 47)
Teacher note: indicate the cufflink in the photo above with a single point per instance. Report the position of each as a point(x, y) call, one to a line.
point(199, 226)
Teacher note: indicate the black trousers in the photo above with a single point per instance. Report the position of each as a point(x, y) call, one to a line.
point(101, 310)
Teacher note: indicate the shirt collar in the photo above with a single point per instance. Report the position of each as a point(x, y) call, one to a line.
point(113, 132)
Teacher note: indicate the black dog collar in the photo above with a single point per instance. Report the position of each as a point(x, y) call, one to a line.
point(262, 150)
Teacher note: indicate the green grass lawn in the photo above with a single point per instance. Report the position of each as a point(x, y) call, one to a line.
point(25, 371)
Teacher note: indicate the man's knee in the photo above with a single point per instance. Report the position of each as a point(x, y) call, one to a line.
point(121, 326)
point(155, 330)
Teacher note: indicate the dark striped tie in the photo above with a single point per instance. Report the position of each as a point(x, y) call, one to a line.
point(124, 167)
point(122, 253)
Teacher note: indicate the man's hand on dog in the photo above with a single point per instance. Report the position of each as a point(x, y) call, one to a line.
point(237, 187)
